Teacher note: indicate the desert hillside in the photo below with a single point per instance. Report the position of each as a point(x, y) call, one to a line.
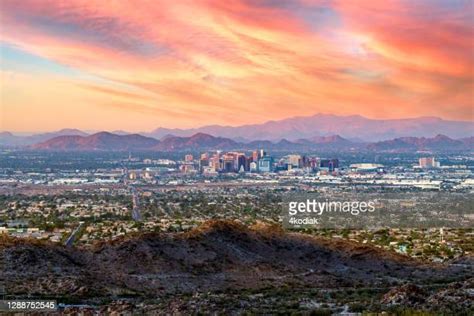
point(221, 257)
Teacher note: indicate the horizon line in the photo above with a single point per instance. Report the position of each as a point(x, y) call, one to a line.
point(28, 133)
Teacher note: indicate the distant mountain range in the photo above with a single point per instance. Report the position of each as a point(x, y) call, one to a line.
point(105, 141)
point(353, 128)
point(437, 143)
point(349, 127)
point(99, 141)
point(11, 140)
point(326, 131)
point(197, 141)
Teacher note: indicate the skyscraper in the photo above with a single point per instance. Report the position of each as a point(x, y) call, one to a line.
point(228, 162)
point(203, 161)
point(241, 162)
point(329, 164)
point(256, 155)
point(428, 162)
point(265, 164)
point(294, 161)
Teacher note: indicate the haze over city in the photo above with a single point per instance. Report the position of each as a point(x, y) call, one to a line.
point(138, 65)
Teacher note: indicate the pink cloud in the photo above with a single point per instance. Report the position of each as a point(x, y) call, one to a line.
point(216, 58)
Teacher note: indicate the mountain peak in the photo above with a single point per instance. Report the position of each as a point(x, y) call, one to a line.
point(439, 143)
point(6, 134)
point(69, 130)
point(306, 127)
point(167, 136)
point(328, 139)
point(201, 135)
point(103, 134)
point(98, 141)
point(442, 137)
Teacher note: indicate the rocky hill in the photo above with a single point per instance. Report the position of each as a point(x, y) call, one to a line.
point(98, 141)
point(223, 258)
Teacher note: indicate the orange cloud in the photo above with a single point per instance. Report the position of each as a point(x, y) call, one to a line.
point(189, 63)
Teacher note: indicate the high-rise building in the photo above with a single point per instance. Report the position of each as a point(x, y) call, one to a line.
point(215, 162)
point(295, 161)
point(253, 166)
point(329, 164)
point(428, 162)
point(265, 164)
point(187, 168)
point(203, 161)
point(310, 164)
point(256, 155)
point(228, 162)
point(233, 162)
point(241, 162)
point(132, 175)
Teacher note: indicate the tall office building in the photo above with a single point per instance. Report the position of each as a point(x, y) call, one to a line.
point(241, 162)
point(265, 164)
point(256, 155)
point(187, 168)
point(228, 163)
point(329, 164)
point(253, 166)
point(132, 175)
point(428, 162)
point(203, 161)
point(215, 162)
point(295, 161)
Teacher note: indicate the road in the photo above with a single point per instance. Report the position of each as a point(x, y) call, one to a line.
point(136, 216)
point(70, 241)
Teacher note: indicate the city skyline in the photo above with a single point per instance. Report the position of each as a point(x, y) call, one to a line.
point(138, 66)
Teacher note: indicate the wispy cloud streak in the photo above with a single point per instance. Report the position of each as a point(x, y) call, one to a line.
point(188, 63)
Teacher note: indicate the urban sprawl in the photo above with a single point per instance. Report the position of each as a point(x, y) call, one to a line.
point(84, 198)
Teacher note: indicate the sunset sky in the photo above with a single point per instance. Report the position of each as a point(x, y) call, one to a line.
point(138, 65)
